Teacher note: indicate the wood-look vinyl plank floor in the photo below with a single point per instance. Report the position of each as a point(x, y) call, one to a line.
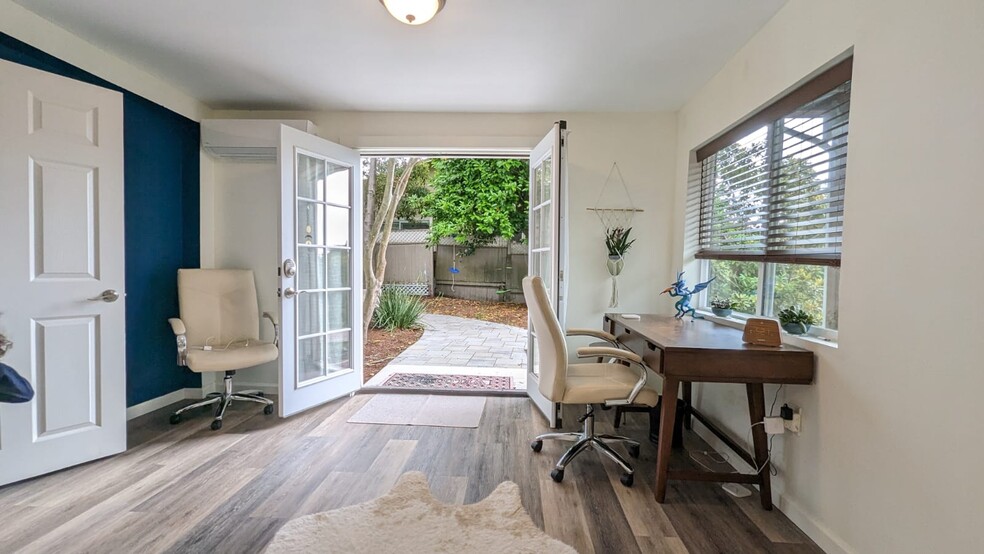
point(186, 488)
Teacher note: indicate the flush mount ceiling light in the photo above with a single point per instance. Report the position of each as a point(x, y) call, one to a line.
point(413, 12)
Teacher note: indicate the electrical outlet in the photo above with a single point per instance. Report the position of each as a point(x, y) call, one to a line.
point(796, 422)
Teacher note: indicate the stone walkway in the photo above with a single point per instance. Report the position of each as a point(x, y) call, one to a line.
point(457, 345)
point(461, 342)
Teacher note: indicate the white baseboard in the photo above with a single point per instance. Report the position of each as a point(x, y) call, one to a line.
point(825, 539)
point(265, 388)
point(161, 401)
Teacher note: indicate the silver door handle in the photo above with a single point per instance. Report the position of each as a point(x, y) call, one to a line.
point(108, 295)
point(289, 292)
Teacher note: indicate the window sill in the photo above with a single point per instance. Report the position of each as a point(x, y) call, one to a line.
point(802, 341)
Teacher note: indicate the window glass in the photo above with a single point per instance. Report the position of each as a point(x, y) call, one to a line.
point(808, 288)
point(734, 281)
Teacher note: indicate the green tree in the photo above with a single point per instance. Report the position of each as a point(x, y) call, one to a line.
point(475, 201)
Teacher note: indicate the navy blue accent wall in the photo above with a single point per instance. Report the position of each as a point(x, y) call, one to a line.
point(161, 200)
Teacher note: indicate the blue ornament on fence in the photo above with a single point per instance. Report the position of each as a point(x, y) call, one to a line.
point(679, 289)
point(454, 270)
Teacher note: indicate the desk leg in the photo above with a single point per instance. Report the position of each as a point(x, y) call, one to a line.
point(688, 393)
point(756, 411)
point(671, 388)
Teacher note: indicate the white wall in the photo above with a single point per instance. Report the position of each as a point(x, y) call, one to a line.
point(890, 454)
point(642, 144)
point(31, 28)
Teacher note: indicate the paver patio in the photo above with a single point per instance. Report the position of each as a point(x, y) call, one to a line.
point(457, 345)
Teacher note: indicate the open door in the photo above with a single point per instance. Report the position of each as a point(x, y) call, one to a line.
point(547, 240)
point(321, 271)
point(62, 274)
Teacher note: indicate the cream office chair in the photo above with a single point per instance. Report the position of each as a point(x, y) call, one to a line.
point(219, 330)
point(608, 384)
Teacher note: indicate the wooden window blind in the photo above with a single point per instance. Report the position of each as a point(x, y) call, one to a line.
point(772, 188)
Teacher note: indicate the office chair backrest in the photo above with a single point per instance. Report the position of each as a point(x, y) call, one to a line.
point(551, 347)
point(218, 304)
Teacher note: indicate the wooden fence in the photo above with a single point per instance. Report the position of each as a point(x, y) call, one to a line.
point(492, 273)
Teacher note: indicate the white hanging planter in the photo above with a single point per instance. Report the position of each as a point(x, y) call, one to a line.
point(615, 266)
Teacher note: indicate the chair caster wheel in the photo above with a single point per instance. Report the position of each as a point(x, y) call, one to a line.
point(217, 424)
point(175, 419)
point(557, 475)
point(627, 479)
point(634, 451)
point(536, 446)
point(268, 409)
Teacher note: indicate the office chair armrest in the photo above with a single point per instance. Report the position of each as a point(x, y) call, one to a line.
point(177, 326)
point(607, 337)
point(607, 352)
point(631, 358)
point(179, 329)
point(276, 328)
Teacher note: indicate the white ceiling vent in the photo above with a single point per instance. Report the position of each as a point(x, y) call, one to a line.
point(247, 139)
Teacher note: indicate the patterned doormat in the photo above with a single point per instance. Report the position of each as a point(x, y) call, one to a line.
point(448, 382)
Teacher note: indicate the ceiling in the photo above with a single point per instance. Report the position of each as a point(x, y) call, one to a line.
point(475, 56)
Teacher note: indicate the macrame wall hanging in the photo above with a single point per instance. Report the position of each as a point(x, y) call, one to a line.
point(615, 216)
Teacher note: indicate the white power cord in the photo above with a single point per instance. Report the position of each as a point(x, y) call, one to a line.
point(209, 348)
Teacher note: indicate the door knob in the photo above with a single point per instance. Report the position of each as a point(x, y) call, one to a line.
point(108, 295)
point(289, 292)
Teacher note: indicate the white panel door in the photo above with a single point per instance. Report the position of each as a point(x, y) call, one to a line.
point(61, 275)
point(321, 271)
point(548, 242)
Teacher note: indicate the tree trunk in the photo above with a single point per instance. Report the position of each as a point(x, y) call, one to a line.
point(379, 226)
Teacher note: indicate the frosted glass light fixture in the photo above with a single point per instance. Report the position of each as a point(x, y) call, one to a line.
point(413, 12)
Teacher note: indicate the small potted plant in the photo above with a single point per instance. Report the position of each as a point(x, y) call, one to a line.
point(618, 243)
point(721, 307)
point(795, 321)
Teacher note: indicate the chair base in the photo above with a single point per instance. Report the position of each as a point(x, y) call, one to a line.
point(588, 440)
point(221, 400)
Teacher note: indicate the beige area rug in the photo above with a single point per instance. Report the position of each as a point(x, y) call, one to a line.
point(434, 410)
point(409, 520)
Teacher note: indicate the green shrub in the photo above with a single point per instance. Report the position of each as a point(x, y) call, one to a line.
point(397, 310)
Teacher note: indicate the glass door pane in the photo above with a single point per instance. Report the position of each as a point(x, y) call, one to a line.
point(324, 237)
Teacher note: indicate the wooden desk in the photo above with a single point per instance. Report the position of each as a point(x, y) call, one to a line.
point(700, 351)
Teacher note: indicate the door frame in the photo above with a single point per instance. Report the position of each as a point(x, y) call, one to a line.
point(508, 153)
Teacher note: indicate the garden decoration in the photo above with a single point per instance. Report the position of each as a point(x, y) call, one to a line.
point(679, 289)
point(616, 221)
point(454, 264)
point(14, 389)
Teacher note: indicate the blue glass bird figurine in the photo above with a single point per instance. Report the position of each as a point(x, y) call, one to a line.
point(679, 289)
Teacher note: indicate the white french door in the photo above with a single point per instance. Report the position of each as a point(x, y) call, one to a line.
point(61, 270)
point(321, 271)
point(547, 239)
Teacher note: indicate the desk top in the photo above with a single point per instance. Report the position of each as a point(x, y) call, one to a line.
point(702, 350)
point(669, 333)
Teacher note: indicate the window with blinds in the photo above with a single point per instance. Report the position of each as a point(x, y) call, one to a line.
point(772, 188)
